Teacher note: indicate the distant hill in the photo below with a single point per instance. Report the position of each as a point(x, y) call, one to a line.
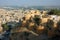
point(30, 7)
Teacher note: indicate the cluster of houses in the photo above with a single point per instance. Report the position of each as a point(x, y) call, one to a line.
point(42, 24)
point(27, 19)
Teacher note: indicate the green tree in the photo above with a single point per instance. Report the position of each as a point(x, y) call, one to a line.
point(54, 12)
point(50, 24)
point(58, 24)
point(5, 26)
point(37, 19)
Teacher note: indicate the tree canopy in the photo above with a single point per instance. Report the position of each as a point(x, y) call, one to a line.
point(54, 12)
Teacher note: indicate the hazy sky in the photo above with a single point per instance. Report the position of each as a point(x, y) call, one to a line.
point(30, 2)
